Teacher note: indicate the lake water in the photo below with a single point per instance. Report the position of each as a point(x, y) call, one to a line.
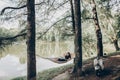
point(13, 58)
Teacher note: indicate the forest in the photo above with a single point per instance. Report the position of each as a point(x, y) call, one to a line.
point(60, 40)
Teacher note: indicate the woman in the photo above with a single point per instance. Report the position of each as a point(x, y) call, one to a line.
point(66, 57)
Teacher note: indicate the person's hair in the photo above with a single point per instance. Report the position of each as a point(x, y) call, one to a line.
point(68, 55)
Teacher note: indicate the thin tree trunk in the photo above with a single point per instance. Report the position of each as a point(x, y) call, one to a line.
point(98, 31)
point(115, 41)
point(31, 58)
point(78, 39)
point(72, 14)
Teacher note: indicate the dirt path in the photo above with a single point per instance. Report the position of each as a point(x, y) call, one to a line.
point(112, 71)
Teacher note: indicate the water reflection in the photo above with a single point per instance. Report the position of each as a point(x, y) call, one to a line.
point(11, 67)
point(48, 49)
point(13, 59)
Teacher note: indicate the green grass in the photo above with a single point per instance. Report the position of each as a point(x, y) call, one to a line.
point(114, 53)
point(20, 78)
point(50, 73)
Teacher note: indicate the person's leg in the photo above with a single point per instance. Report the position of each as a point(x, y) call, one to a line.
point(98, 73)
point(59, 59)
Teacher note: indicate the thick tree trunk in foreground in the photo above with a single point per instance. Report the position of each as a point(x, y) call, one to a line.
point(98, 31)
point(78, 39)
point(31, 58)
point(72, 14)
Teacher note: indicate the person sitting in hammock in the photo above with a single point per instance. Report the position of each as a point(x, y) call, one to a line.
point(98, 66)
point(66, 57)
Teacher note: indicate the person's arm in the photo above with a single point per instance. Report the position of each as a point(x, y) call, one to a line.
point(101, 63)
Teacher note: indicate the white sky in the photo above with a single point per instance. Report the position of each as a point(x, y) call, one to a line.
point(7, 24)
point(3, 4)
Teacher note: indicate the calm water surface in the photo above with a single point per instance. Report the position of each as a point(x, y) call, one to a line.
point(13, 58)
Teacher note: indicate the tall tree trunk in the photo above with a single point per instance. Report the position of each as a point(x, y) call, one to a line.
point(31, 58)
point(115, 42)
point(98, 31)
point(72, 14)
point(78, 39)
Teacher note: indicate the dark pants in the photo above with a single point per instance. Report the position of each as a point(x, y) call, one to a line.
point(99, 72)
point(60, 59)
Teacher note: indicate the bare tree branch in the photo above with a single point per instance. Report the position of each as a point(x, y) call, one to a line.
point(3, 10)
point(89, 18)
point(52, 26)
point(10, 38)
point(53, 8)
point(51, 4)
point(61, 4)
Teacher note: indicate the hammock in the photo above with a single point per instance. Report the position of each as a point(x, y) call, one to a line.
point(55, 60)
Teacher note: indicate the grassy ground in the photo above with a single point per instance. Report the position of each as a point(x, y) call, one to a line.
point(49, 74)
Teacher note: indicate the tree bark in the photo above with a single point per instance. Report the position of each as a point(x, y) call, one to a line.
point(115, 41)
point(78, 39)
point(31, 58)
point(98, 31)
point(72, 15)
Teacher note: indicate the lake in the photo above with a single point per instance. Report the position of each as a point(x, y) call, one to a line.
point(13, 58)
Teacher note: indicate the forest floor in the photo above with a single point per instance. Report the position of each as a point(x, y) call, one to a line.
point(111, 71)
